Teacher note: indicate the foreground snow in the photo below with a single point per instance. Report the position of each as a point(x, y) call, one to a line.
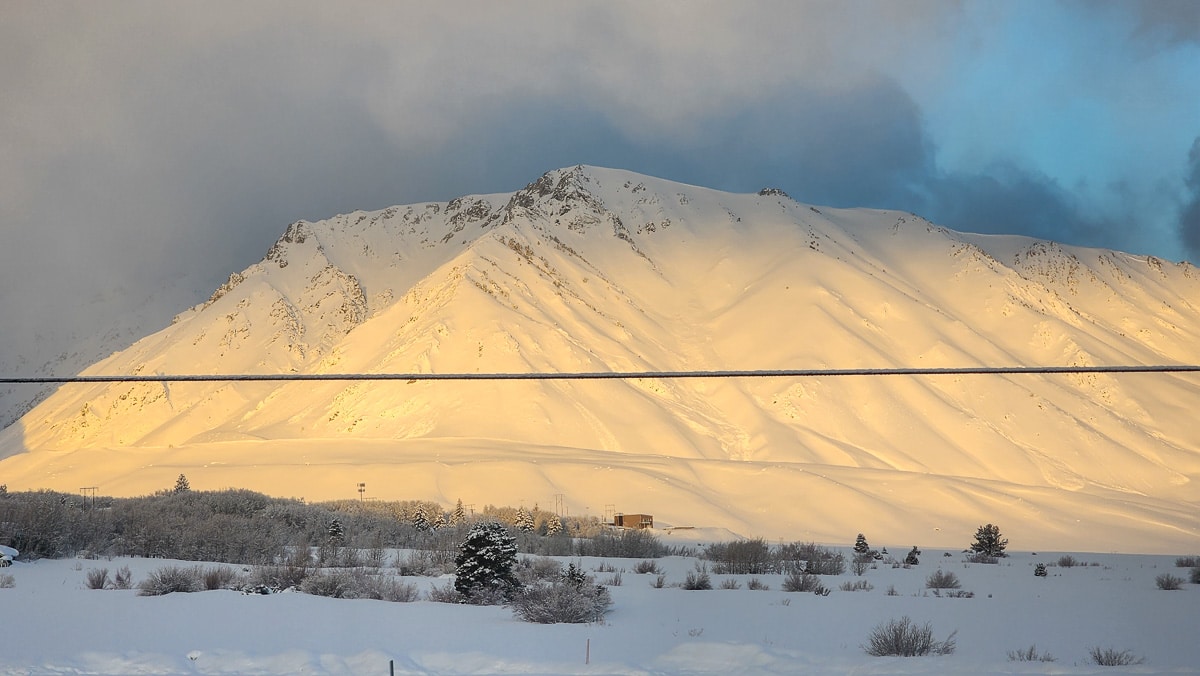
point(54, 624)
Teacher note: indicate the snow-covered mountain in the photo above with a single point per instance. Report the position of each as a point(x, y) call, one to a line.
point(590, 269)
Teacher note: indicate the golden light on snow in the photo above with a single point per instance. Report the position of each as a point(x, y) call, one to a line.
point(602, 270)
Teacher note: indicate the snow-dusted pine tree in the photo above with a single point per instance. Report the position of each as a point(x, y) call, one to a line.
point(911, 559)
point(458, 517)
point(860, 545)
point(574, 575)
point(988, 541)
point(420, 520)
point(485, 564)
point(554, 526)
point(524, 520)
point(337, 535)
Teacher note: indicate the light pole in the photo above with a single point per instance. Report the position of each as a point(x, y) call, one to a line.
point(362, 488)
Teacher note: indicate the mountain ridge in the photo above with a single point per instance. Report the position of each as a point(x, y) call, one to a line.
point(591, 269)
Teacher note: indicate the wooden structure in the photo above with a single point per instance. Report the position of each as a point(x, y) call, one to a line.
point(633, 521)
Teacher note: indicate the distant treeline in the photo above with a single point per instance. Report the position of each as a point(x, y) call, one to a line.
point(241, 526)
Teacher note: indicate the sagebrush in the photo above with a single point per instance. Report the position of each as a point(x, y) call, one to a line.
point(905, 638)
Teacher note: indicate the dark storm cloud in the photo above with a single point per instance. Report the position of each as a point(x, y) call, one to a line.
point(1189, 214)
point(148, 142)
point(1173, 20)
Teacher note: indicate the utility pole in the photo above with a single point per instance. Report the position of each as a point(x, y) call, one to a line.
point(362, 488)
point(84, 492)
point(559, 498)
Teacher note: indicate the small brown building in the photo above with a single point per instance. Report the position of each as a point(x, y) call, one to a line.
point(633, 521)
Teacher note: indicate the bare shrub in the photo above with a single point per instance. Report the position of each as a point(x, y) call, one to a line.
point(940, 579)
point(536, 569)
point(97, 578)
point(1067, 561)
point(171, 579)
point(1168, 582)
point(418, 562)
point(338, 584)
point(123, 578)
point(7, 581)
point(280, 577)
point(1194, 578)
point(982, 558)
point(804, 582)
point(626, 544)
point(809, 557)
point(904, 638)
point(756, 584)
point(730, 583)
point(891, 590)
point(220, 577)
point(1111, 657)
point(857, 585)
point(740, 557)
point(659, 582)
point(386, 588)
point(861, 563)
point(646, 567)
point(445, 594)
point(1187, 562)
point(561, 601)
point(613, 580)
point(698, 579)
point(1030, 654)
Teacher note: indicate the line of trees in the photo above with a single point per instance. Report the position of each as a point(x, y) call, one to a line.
point(241, 526)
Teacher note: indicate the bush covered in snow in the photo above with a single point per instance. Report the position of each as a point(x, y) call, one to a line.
point(572, 598)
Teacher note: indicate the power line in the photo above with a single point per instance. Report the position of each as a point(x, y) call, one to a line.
point(605, 375)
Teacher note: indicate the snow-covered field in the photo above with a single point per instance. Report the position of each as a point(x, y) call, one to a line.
point(54, 624)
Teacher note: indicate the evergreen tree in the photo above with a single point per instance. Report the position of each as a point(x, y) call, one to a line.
point(860, 545)
point(1040, 570)
point(337, 535)
point(420, 521)
point(524, 520)
point(574, 576)
point(182, 485)
point(485, 564)
point(458, 517)
point(988, 541)
point(912, 559)
point(554, 526)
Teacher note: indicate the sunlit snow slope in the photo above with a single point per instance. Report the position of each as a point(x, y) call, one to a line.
point(591, 269)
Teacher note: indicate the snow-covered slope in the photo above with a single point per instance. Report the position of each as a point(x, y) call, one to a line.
point(590, 269)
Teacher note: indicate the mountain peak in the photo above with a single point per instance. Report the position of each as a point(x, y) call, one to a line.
point(588, 269)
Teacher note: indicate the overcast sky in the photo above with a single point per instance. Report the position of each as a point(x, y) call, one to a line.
point(143, 143)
